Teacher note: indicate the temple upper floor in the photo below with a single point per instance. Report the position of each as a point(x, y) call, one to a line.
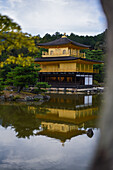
point(63, 47)
point(62, 52)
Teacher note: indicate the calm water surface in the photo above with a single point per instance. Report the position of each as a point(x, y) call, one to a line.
point(49, 135)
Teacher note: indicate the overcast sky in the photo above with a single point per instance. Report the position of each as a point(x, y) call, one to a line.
point(82, 17)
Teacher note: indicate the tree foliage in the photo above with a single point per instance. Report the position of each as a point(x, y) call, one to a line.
point(23, 76)
point(41, 86)
point(96, 42)
point(13, 41)
point(23, 61)
point(16, 50)
point(99, 56)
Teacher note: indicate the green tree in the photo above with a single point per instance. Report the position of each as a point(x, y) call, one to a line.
point(13, 41)
point(16, 48)
point(95, 55)
point(21, 77)
point(99, 56)
point(96, 42)
point(41, 86)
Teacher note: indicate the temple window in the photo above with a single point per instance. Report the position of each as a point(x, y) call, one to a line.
point(63, 129)
point(78, 66)
point(51, 52)
point(50, 127)
point(64, 51)
point(86, 67)
point(74, 52)
point(77, 53)
point(90, 67)
point(82, 66)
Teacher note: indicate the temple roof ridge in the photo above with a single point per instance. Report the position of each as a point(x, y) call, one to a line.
point(63, 41)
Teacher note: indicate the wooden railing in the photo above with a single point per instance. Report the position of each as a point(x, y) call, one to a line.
point(46, 54)
point(71, 70)
point(87, 70)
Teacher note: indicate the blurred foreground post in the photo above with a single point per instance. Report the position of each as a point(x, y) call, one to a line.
point(104, 155)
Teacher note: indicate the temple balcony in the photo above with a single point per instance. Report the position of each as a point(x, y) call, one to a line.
point(47, 54)
point(60, 54)
point(96, 71)
point(87, 70)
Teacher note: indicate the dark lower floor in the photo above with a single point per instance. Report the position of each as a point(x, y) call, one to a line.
point(72, 80)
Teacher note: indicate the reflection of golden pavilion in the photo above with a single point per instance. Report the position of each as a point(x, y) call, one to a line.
point(70, 116)
point(67, 118)
point(64, 124)
point(60, 131)
point(61, 111)
point(59, 127)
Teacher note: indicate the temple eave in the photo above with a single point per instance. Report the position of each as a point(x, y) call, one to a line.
point(70, 45)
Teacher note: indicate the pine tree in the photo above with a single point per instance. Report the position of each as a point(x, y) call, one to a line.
point(21, 77)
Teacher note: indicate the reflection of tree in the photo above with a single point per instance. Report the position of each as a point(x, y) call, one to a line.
point(22, 120)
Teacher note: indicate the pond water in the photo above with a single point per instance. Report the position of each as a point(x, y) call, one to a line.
point(49, 135)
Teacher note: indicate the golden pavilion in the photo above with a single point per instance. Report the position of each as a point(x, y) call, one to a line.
point(64, 66)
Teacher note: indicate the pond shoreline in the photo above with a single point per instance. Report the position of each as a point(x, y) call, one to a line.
point(92, 90)
point(10, 95)
point(22, 96)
